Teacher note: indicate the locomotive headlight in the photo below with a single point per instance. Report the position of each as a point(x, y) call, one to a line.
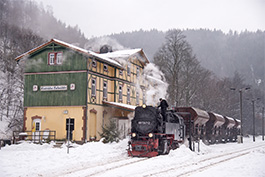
point(150, 135)
point(133, 134)
point(144, 106)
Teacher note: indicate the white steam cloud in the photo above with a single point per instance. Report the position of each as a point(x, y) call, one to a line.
point(156, 84)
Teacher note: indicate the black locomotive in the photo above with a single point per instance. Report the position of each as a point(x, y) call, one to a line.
point(152, 134)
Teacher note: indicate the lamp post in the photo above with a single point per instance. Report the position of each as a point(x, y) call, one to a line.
point(241, 111)
point(263, 124)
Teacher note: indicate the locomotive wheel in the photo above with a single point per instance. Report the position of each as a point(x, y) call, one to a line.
point(206, 141)
point(213, 140)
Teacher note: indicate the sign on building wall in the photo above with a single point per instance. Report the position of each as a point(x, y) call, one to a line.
point(53, 88)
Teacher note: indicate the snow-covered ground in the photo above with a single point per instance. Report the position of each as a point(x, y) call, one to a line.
point(98, 159)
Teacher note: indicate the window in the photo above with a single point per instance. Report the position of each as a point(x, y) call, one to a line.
point(59, 58)
point(129, 69)
point(143, 96)
point(51, 59)
point(105, 90)
point(94, 63)
point(55, 58)
point(120, 93)
point(37, 124)
point(121, 72)
point(137, 98)
point(128, 95)
point(93, 87)
point(105, 67)
point(137, 71)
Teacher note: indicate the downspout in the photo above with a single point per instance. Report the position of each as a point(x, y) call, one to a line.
point(115, 76)
point(85, 138)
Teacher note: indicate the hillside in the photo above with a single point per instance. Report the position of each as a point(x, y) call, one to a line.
point(219, 52)
point(28, 14)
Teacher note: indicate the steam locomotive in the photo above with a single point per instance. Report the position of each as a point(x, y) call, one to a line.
point(152, 134)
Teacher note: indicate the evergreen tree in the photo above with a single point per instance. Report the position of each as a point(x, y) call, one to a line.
point(110, 132)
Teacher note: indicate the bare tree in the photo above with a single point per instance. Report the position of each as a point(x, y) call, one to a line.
point(13, 42)
point(181, 68)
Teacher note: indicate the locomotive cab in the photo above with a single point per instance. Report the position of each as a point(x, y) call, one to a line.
point(175, 125)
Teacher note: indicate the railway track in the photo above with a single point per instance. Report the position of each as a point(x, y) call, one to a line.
point(203, 164)
point(99, 168)
point(180, 169)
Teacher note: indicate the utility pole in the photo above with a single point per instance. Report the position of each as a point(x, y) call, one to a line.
point(241, 111)
point(241, 116)
point(253, 104)
point(68, 132)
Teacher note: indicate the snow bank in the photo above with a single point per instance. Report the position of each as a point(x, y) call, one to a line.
point(28, 159)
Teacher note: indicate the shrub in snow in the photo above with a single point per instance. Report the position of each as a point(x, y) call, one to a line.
point(110, 133)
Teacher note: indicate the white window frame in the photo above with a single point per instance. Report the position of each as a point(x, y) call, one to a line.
point(105, 90)
point(94, 63)
point(105, 68)
point(120, 93)
point(128, 95)
point(51, 59)
point(93, 87)
point(59, 58)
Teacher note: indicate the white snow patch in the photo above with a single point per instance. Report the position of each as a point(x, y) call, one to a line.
point(28, 159)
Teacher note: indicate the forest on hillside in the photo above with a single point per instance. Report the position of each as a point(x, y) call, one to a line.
point(211, 64)
point(223, 54)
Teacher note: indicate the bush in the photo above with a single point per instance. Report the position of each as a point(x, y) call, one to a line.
point(110, 133)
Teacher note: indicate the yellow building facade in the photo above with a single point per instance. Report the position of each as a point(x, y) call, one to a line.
point(69, 88)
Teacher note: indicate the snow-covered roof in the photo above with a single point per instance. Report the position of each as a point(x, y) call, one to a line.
point(120, 53)
point(106, 57)
point(70, 46)
point(65, 44)
point(121, 105)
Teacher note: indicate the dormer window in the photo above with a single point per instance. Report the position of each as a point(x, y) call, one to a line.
point(94, 63)
point(105, 67)
point(55, 58)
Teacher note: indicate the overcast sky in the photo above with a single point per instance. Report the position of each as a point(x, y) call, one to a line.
point(103, 17)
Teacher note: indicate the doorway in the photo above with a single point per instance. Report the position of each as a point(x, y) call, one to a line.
point(36, 129)
point(70, 126)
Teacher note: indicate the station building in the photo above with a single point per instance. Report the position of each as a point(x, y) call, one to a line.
point(70, 87)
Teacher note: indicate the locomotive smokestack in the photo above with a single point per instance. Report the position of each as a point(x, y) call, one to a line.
point(105, 49)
